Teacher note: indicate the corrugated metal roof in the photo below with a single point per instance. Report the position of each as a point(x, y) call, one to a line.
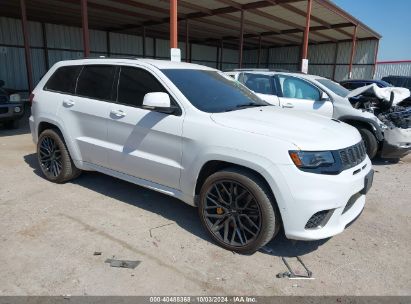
point(279, 24)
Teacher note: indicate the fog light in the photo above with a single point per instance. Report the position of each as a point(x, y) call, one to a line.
point(17, 109)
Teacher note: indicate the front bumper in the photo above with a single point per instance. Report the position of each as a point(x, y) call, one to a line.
point(339, 199)
point(397, 143)
point(8, 111)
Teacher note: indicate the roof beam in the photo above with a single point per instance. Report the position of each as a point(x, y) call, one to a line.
point(334, 8)
point(233, 18)
point(297, 11)
point(289, 23)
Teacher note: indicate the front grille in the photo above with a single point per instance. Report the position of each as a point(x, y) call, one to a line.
point(3, 99)
point(4, 110)
point(352, 156)
point(319, 219)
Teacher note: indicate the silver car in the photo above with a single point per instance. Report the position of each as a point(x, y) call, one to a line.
point(323, 96)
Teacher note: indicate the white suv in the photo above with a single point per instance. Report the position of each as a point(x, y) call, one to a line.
point(193, 133)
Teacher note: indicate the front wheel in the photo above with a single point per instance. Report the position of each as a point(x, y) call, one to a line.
point(370, 142)
point(237, 210)
point(54, 157)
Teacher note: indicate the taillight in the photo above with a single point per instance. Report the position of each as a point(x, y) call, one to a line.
point(31, 97)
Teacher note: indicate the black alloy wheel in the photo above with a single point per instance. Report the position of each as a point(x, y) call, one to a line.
point(50, 156)
point(232, 213)
point(238, 210)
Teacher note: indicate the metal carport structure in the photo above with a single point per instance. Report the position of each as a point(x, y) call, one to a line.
point(220, 33)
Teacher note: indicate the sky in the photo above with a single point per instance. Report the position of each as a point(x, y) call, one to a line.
point(391, 19)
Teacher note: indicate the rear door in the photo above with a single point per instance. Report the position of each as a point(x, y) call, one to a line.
point(144, 143)
point(299, 94)
point(261, 84)
point(85, 114)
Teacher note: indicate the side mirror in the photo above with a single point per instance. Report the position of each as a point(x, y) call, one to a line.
point(158, 101)
point(324, 96)
point(1, 83)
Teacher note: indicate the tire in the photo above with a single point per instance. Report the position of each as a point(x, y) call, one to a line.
point(370, 142)
point(54, 158)
point(261, 210)
point(12, 124)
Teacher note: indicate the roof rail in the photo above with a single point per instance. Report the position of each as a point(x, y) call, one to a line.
point(104, 57)
point(259, 70)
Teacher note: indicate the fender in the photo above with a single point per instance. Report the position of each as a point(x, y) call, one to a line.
point(54, 120)
point(241, 158)
point(374, 125)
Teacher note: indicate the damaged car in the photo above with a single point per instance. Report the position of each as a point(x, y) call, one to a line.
point(391, 106)
point(316, 94)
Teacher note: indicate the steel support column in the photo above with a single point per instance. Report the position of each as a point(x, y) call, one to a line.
point(375, 58)
point(240, 52)
point(187, 43)
point(46, 50)
point(354, 45)
point(306, 31)
point(86, 37)
point(259, 52)
point(335, 59)
point(144, 42)
point(173, 24)
point(108, 47)
point(26, 45)
point(222, 53)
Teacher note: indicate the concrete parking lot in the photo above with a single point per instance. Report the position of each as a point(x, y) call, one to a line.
point(49, 233)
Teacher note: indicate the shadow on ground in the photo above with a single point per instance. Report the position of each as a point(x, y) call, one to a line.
point(384, 162)
point(172, 209)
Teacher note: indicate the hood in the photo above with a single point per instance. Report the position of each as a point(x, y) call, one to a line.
point(305, 130)
point(382, 93)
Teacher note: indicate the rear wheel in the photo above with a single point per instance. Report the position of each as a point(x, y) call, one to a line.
point(54, 158)
point(370, 141)
point(237, 210)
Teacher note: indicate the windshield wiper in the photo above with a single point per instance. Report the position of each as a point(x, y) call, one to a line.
point(245, 106)
point(249, 105)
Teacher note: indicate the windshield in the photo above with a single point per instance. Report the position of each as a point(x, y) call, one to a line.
point(333, 86)
point(212, 91)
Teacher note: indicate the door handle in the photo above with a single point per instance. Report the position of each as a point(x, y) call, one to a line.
point(288, 105)
point(68, 102)
point(118, 113)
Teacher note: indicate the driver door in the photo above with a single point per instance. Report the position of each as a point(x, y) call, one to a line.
point(299, 94)
point(143, 143)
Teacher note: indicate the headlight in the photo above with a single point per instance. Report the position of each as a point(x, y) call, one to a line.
point(312, 160)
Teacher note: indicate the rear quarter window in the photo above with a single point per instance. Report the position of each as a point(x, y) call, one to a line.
point(64, 79)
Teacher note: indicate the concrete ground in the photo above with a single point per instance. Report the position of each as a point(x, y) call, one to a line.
point(49, 233)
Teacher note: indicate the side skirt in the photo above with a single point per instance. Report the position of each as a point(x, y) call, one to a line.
point(141, 182)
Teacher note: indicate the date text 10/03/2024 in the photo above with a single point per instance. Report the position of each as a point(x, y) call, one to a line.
point(203, 299)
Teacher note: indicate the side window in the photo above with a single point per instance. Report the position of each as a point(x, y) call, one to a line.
point(64, 79)
point(134, 84)
point(259, 83)
point(296, 88)
point(96, 81)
